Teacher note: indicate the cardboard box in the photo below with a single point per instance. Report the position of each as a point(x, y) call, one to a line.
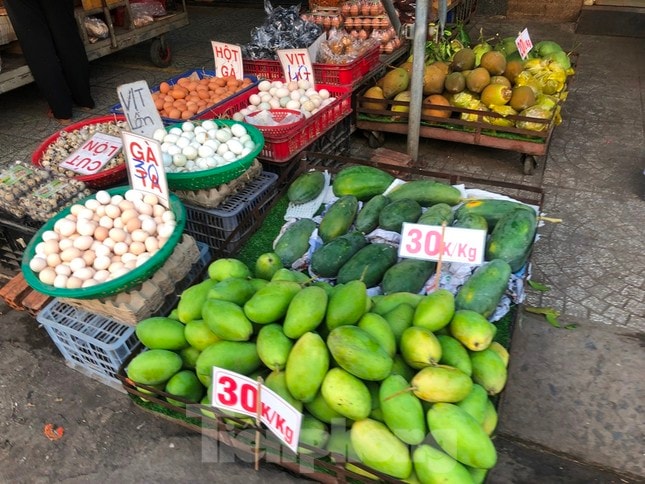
point(92, 4)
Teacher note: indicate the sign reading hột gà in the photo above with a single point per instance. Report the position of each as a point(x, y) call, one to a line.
point(228, 60)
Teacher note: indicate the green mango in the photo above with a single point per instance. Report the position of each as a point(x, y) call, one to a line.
point(399, 318)
point(490, 418)
point(402, 410)
point(273, 346)
point(234, 289)
point(270, 303)
point(340, 444)
point(378, 448)
point(238, 356)
point(501, 352)
point(400, 367)
point(435, 466)
point(441, 384)
point(192, 299)
point(199, 335)
point(475, 403)
point(472, 329)
point(184, 384)
point(460, 436)
point(285, 274)
point(346, 394)
point(153, 367)
point(346, 305)
point(173, 315)
point(380, 330)
point(313, 432)
point(277, 381)
point(435, 310)
point(224, 268)
point(258, 283)
point(386, 303)
point(420, 347)
point(227, 320)
point(358, 352)
point(189, 357)
point(453, 353)
point(319, 408)
point(305, 312)
point(159, 333)
point(489, 370)
point(307, 366)
point(326, 286)
point(477, 475)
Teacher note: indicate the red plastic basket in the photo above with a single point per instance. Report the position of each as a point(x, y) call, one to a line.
point(349, 74)
point(282, 130)
point(101, 179)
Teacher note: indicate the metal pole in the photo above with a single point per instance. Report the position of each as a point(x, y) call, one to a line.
point(391, 13)
point(416, 83)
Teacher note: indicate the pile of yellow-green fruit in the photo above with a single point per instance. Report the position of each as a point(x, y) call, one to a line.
point(483, 78)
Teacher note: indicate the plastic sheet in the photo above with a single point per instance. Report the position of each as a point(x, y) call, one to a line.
point(96, 29)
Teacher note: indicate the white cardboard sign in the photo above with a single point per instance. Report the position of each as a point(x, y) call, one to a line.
point(228, 60)
point(420, 241)
point(523, 43)
point(93, 155)
point(139, 108)
point(296, 65)
point(145, 166)
point(238, 393)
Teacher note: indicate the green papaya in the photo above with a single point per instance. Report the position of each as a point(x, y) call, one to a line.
point(491, 209)
point(305, 312)
point(434, 466)
point(368, 264)
point(338, 218)
point(363, 182)
point(294, 242)
point(437, 215)
point(307, 366)
point(270, 303)
point(380, 330)
point(471, 221)
point(472, 329)
point(306, 187)
point(273, 346)
point(234, 289)
point(277, 381)
point(186, 385)
point(512, 238)
point(407, 275)
point(153, 367)
point(346, 305)
point(402, 410)
point(367, 218)
point(192, 299)
point(484, 289)
point(419, 347)
point(397, 212)
point(400, 318)
point(475, 403)
point(238, 356)
point(426, 193)
point(161, 333)
point(435, 310)
point(460, 436)
point(441, 383)
point(227, 320)
point(489, 370)
point(453, 353)
point(358, 352)
point(328, 259)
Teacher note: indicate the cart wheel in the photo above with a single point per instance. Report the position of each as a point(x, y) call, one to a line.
point(375, 139)
point(530, 164)
point(160, 53)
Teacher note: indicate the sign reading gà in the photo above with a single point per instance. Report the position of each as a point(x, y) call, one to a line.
point(145, 166)
point(238, 393)
point(450, 244)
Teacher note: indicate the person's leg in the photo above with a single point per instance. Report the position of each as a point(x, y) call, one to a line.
point(34, 36)
point(70, 49)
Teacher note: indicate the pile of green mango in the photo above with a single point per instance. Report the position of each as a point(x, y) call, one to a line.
point(397, 384)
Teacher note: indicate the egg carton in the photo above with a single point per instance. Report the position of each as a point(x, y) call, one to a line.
point(143, 301)
point(216, 196)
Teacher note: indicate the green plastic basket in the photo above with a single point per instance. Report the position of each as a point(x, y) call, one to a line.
point(198, 180)
point(120, 284)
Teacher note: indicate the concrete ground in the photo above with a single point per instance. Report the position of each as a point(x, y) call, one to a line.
point(572, 411)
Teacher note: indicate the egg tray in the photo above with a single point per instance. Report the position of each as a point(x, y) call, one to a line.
point(130, 307)
point(216, 196)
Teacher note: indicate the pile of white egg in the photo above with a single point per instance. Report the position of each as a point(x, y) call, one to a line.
point(297, 95)
point(102, 239)
point(196, 146)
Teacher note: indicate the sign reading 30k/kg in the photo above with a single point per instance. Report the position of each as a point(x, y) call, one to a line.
point(420, 241)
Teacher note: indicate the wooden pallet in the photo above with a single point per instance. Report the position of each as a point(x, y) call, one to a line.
point(18, 295)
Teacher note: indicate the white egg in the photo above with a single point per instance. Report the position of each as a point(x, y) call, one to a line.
point(223, 148)
point(166, 230)
point(282, 92)
point(84, 242)
point(207, 124)
point(51, 247)
point(152, 244)
point(47, 275)
point(235, 146)
point(158, 210)
point(255, 99)
point(65, 244)
point(278, 84)
point(77, 263)
point(102, 262)
point(112, 211)
point(37, 264)
point(189, 152)
point(168, 215)
point(50, 235)
point(190, 135)
point(187, 126)
point(101, 275)
point(116, 199)
point(118, 223)
point(159, 134)
point(86, 227)
point(149, 225)
point(143, 258)
point(239, 116)
point(150, 199)
point(64, 269)
point(304, 84)
point(92, 203)
point(60, 281)
point(223, 135)
point(65, 227)
point(139, 235)
point(181, 143)
point(250, 145)
point(88, 257)
point(324, 93)
point(212, 133)
point(205, 151)
point(264, 85)
point(308, 106)
point(238, 130)
point(213, 144)
point(295, 105)
point(69, 254)
point(171, 139)
point(137, 248)
point(103, 197)
point(176, 130)
point(201, 137)
point(120, 272)
point(118, 235)
point(100, 210)
point(89, 283)
point(229, 156)
point(120, 248)
point(144, 208)
point(264, 106)
point(40, 249)
point(102, 250)
point(74, 282)
point(179, 159)
point(53, 260)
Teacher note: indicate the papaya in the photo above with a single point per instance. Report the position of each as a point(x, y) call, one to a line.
point(435, 310)
point(234, 289)
point(453, 353)
point(306, 187)
point(434, 466)
point(441, 383)
point(460, 436)
point(363, 182)
point(512, 238)
point(368, 264)
point(378, 448)
point(186, 385)
point(367, 218)
point(161, 333)
point(346, 394)
point(437, 215)
point(191, 300)
point(338, 218)
point(225, 268)
point(407, 275)
point(426, 193)
point(238, 356)
point(305, 312)
point(490, 418)
point(384, 304)
point(484, 289)
point(271, 303)
point(400, 318)
point(273, 346)
point(319, 408)
point(294, 242)
point(277, 381)
point(328, 259)
point(402, 410)
point(491, 209)
point(307, 366)
point(227, 320)
point(419, 347)
point(199, 335)
point(475, 403)
point(471, 221)
point(313, 433)
point(472, 329)
point(153, 367)
point(380, 330)
point(359, 353)
point(397, 212)
point(346, 305)
point(489, 370)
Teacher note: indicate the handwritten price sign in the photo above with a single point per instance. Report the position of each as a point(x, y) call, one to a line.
point(457, 245)
point(139, 108)
point(93, 155)
point(296, 64)
point(228, 60)
point(238, 393)
point(145, 166)
point(524, 44)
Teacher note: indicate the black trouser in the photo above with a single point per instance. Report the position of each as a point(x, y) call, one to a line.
point(48, 35)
